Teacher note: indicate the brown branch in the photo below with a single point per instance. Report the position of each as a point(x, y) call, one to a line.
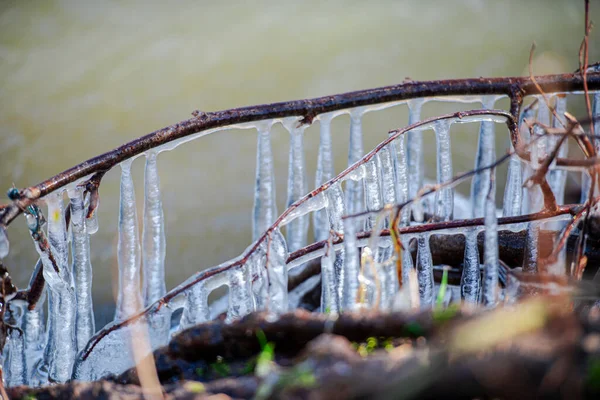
point(515, 87)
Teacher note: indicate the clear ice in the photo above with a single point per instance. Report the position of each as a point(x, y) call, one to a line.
point(325, 171)
point(297, 229)
point(153, 235)
point(4, 245)
point(129, 299)
point(425, 272)
point(444, 198)
point(354, 190)
point(82, 270)
point(265, 207)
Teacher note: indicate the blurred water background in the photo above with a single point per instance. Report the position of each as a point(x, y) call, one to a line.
point(78, 78)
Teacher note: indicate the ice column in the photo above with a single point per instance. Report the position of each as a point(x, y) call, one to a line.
point(490, 250)
point(325, 171)
point(335, 210)
point(372, 185)
point(354, 191)
point(414, 150)
point(352, 265)
point(62, 344)
point(298, 228)
point(277, 272)
point(14, 363)
point(82, 270)
point(486, 154)
point(129, 298)
point(196, 309)
point(265, 207)
point(35, 336)
point(425, 272)
point(240, 294)
point(153, 235)
point(469, 281)
point(444, 198)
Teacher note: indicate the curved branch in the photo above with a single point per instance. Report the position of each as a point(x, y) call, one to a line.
point(514, 87)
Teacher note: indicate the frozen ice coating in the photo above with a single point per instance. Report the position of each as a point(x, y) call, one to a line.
point(4, 245)
point(352, 266)
point(329, 293)
point(92, 222)
point(490, 250)
point(297, 229)
point(241, 302)
point(354, 190)
point(585, 177)
point(407, 261)
point(129, 299)
point(82, 270)
point(444, 198)
point(325, 171)
point(34, 334)
point(259, 278)
point(277, 273)
point(153, 235)
point(511, 205)
point(388, 174)
point(530, 257)
point(414, 150)
point(62, 344)
point(372, 184)
point(471, 277)
point(265, 207)
point(14, 366)
point(401, 176)
point(335, 210)
point(486, 155)
point(425, 271)
point(196, 309)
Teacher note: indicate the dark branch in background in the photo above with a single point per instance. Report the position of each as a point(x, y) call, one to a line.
point(516, 88)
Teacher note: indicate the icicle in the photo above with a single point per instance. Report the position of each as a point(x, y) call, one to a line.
point(470, 279)
point(425, 271)
point(486, 154)
point(401, 179)
point(153, 235)
point(529, 116)
point(354, 191)
point(61, 348)
point(444, 198)
point(329, 293)
point(4, 245)
point(372, 184)
point(325, 171)
point(530, 258)
point(557, 178)
point(414, 152)
point(277, 273)
point(407, 261)
point(335, 209)
point(82, 270)
point(387, 175)
point(129, 297)
point(297, 229)
point(260, 278)
point(490, 250)
point(513, 189)
point(35, 338)
point(241, 302)
point(265, 207)
point(370, 276)
point(196, 309)
point(352, 266)
point(14, 363)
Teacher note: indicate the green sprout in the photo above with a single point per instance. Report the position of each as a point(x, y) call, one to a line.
point(220, 367)
point(264, 361)
point(442, 292)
